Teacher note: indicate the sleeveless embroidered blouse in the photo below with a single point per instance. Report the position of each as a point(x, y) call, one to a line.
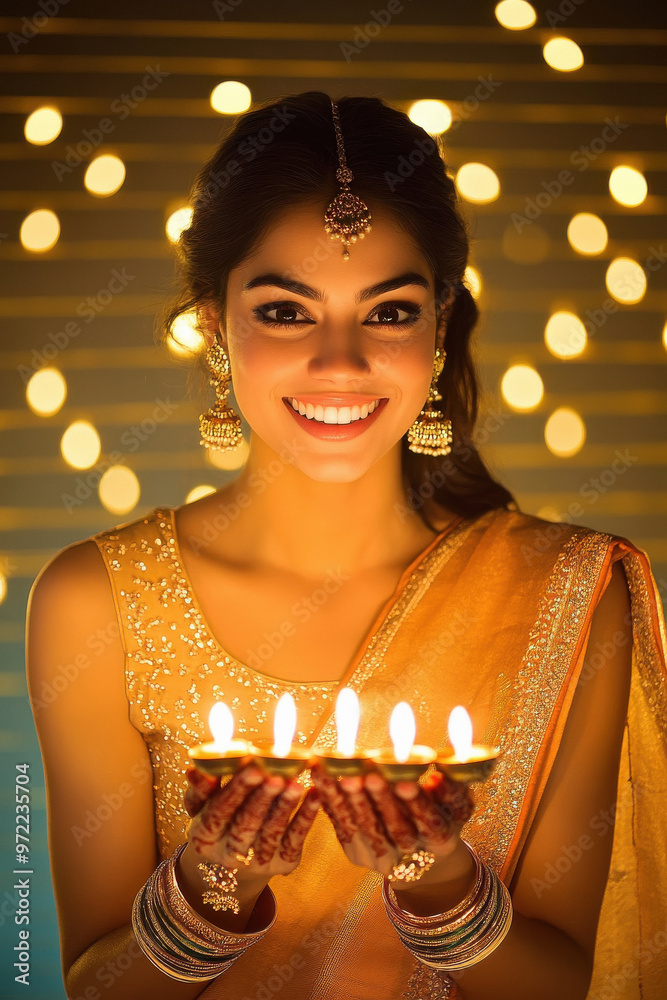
point(175, 669)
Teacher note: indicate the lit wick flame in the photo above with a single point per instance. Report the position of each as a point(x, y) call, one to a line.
point(221, 724)
point(402, 729)
point(284, 725)
point(460, 733)
point(347, 721)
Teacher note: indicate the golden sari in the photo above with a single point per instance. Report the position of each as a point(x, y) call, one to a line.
point(494, 614)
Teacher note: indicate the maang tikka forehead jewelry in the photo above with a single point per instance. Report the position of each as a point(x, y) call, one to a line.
point(347, 218)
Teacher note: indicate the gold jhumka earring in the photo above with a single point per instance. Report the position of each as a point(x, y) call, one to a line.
point(431, 432)
point(220, 427)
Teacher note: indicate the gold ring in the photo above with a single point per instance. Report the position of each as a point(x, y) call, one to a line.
point(411, 867)
point(245, 858)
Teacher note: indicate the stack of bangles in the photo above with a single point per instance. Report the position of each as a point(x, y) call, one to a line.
point(180, 942)
point(462, 936)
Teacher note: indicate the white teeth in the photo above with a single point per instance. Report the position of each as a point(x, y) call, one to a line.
point(333, 414)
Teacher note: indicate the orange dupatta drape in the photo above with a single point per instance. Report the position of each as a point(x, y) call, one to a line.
point(501, 626)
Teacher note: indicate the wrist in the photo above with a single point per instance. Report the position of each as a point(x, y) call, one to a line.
point(192, 884)
point(442, 887)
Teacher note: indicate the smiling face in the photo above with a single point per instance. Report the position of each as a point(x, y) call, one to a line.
point(305, 327)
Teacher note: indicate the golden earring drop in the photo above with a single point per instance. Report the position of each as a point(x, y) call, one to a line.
point(220, 427)
point(431, 433)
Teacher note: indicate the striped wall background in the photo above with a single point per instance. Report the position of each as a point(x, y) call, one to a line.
point(85, 57)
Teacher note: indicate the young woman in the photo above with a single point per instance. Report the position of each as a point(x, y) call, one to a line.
point(363, 544)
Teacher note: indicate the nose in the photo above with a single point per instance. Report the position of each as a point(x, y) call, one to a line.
point(338, 354)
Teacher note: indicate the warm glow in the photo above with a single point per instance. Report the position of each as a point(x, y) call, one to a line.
point(230, 460)
point(627, 186)
point(478, 183)
point(515, 14)
point(119, 489)
point(105, 175)
point(230, 98)
point(185, 337)
point(284, 725)
point(347, 721)
point(587, 233)
point(460, 732)
point(433, 116)
point(522, 387)
point(46, 391)
point(563, 54)
point(473, 279)
point(402, 729)
point(565, 334)
point(80, 445)
point(664, 336)
point(3, 586)
point(197, 492)
point(221, 724)
point(177, 222)
point(565, 432)
point(40, 230)
point(626, 280)
point(43, 126)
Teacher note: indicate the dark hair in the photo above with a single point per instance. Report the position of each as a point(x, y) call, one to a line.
point(283, 153)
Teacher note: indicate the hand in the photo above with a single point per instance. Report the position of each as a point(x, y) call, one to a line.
point(377, 822)
point(252, 809)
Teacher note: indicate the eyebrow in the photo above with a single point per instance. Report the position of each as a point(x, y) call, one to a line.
point(299, 288)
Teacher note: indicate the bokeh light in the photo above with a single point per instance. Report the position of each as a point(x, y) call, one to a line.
point(625, 280)
point(230, 98)
point(40, 230)
point(119, 489)
point(434, 117)
point(80, 445)
point(587, 233)
point(197, 492)
point(46, 391)
point(43, 126)
point(563, 54)
point(565, 335)
point(473, 279)
point(515, 14)
point(627, 186)
point(478, 183)
point(3, 586)
point(565, 432)
point(104, 175)
point(522, 387)
point(177, 222)
point(185, 338)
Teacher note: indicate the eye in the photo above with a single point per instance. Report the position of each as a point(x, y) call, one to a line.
point(392, 309)
point(284, 311)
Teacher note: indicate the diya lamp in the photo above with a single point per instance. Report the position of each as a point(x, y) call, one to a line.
point(345, 761)
point(405, 760)
point(223, 756)
point(280, 757)
point(464, 760)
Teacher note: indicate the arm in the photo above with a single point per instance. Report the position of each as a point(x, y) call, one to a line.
point(549, 949)
point(98, 782)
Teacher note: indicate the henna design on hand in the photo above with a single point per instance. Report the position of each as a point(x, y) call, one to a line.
point(247, 821)
point(200, 787)
point(401, 829)
point(292, 842)
point(274, 825)
point(335, 805)
point(224, 802)
point(455, 798)
point(368, 821)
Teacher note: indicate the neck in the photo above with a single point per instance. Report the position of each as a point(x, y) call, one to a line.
point(288, 521)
